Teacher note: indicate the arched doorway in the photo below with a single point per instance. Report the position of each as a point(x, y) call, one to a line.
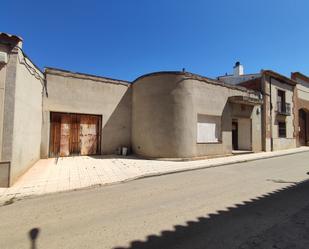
point(303, 127)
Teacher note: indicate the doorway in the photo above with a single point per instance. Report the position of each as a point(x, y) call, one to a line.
point(302, 127)
point(235, 135)
point(74, 134)
point(242, 134)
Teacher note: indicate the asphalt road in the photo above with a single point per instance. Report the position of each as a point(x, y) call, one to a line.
point(259, 204)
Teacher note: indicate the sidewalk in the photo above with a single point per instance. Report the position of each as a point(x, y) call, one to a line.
point(70, 173)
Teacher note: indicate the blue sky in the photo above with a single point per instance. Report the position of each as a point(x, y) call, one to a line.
point(127, 38)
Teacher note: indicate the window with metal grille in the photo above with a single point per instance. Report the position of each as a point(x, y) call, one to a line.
point(282, 129)
point(283, 108)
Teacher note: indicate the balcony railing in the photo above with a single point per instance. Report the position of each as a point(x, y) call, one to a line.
point(283, 108)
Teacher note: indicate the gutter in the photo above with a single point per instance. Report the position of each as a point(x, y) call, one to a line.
point(271, 116)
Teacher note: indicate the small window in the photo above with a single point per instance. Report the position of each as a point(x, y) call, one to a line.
point(208, 129)
point(281, 98)
point(282, 129)
point(281, 95)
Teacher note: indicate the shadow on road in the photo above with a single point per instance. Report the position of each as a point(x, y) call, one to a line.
point(33, 235)
point(277, 220)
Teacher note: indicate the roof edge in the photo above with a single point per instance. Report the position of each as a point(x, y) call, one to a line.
point(16, 37)
point(67, 73)
point(31, 61)
point(300, 75)
point(243, 75)
point(158, 73)
point(198, 77)
point(279, 76)
point(221, 83)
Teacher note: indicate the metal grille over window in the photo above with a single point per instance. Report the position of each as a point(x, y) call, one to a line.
point(282, 129)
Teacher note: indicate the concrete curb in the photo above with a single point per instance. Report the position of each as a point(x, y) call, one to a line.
point(211, 166)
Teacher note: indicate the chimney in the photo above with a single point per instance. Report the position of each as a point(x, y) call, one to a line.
point(238, 69)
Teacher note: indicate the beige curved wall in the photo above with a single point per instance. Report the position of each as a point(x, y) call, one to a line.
point(154, 103)
point(164, 116)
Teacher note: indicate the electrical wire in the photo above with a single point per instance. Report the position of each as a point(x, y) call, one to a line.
point(33, 71)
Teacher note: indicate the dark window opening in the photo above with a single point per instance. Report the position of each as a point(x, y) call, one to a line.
point(281, 96)
point(281, 101)
point(283, 108)
point(282, 129)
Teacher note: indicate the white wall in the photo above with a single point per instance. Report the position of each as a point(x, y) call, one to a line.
point(27, 119)
point(2, 91)
point(231, 79)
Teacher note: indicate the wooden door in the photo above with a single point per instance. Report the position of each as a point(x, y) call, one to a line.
point(89, 135)
point(65, 129)
point(54, 145)
point(74, 134)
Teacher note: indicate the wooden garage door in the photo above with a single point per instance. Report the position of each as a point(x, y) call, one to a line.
point(74, 134)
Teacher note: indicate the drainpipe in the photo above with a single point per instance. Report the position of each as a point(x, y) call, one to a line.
point(271, 117)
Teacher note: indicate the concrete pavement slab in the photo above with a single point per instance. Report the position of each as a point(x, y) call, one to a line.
point(71, 173)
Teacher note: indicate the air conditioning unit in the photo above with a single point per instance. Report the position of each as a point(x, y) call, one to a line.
point(3, 58)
